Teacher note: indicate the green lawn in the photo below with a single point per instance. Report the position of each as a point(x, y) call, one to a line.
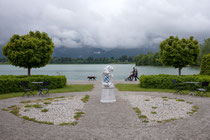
point(136, 87)
point(67, 88)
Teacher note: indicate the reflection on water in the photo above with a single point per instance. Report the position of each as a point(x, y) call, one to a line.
point(81, 71)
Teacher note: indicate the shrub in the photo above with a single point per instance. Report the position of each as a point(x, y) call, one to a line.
point(205, 65)
point(164, 81)
point(12, 83)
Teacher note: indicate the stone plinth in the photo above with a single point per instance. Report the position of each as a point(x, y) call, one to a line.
point(107, 95)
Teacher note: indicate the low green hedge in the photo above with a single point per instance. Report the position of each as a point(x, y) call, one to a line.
point(163, 81)
point(12, 83)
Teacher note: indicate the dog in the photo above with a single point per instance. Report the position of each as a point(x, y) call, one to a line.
point(91, 78)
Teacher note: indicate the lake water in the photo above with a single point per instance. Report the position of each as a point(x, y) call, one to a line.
point(81, 71)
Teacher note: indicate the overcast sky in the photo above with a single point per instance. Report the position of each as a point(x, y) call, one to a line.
point(106, 23)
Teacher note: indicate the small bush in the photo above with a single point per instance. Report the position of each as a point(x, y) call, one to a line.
point(205, 65)
point(164, 81)
point(12, 83)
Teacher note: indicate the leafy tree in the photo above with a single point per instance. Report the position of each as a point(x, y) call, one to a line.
point(32, 50)
point(123, 58)
point(205, 47)
point(148, 59)
point(205, 65)
point(179, 53)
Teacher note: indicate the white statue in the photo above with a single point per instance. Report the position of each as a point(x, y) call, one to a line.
point(107, 95)
point(107, 77)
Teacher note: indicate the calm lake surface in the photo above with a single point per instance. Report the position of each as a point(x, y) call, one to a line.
point(81, 71)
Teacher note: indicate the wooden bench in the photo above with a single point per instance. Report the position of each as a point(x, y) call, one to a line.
point(91, 78)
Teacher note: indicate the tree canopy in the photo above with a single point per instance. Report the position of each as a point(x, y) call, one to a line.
point(179, 53)
point(148, 59)
point(205, 47)
point(205, 65)
point(32, 50)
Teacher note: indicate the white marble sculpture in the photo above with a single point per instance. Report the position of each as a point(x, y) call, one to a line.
point(107, 77)
point(107, 95)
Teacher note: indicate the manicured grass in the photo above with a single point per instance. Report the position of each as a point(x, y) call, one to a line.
point(180, 100)
point(44, 110)
point(67, 88)
point(10, 95)
point(15, 111)
point(136, 87)
point(24, 102)
point(4, 109)
point(46, 103)
point(28, 106)
point(153, 112)
point(34, 120)
point(85, 99)
point(72, 123)
point(154, 107)
point(78, 115)
point(141, 117)
point(37, 106)
point(73, 88)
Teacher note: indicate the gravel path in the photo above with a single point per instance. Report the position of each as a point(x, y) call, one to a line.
point(108, 121)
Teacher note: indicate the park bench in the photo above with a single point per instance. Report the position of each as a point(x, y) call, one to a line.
point(179, 87)
point(40, 86)
point(203, 89)
point(26, 89)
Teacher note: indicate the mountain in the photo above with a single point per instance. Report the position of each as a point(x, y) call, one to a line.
point(77, 52)
point(86, 52)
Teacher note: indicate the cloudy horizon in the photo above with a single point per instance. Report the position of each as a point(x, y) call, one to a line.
point(106, 23)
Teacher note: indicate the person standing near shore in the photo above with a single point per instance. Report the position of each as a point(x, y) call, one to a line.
point(135, 73)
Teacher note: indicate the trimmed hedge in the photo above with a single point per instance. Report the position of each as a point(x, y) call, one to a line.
point(12, 83)
point(164, 81)
point(205, 65)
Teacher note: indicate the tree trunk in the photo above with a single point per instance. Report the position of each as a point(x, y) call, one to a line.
point(29, 71)
point(180, 69)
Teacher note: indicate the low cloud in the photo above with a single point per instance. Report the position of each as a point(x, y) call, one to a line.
point(106, 23)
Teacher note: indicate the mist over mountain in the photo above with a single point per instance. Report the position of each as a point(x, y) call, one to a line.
point(106, 24)
point(86, 52)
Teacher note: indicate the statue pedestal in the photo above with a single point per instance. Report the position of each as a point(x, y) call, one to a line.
point(107, 95)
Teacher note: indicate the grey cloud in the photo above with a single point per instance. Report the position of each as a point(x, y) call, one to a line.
point(106, 23)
